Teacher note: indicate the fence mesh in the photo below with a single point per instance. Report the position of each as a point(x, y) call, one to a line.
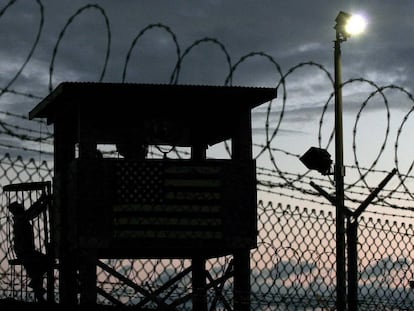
point(292, 268)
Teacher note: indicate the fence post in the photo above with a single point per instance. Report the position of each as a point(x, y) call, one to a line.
point(352, 245)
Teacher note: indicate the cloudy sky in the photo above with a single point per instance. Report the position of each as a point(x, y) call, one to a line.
point(45, 42)
point(290, 32)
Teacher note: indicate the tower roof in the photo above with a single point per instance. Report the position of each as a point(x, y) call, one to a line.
point(205, 111)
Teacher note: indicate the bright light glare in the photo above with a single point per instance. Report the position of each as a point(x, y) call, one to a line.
point(355, 25)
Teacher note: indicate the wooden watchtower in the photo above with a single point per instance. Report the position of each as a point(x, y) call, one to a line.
point(194, 208)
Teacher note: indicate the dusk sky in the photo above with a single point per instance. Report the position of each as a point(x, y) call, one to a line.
point(240, 43)
point(47, 42)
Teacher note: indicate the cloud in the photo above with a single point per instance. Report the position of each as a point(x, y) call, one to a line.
point(290, 33)
point(384, 268)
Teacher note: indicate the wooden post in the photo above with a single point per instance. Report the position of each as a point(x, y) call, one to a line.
point(87, 278)
point(199, 284)
point(242, 150)
point(242, 280)
point(64, 153)
point(242, 137)
point(198, 152)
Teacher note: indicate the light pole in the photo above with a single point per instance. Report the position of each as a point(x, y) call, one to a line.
point(319, 159)
point(346, 25)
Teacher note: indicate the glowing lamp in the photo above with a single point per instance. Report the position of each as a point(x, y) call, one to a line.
point(348, 25)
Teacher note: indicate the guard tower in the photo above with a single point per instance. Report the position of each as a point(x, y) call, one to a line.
point(194, 208)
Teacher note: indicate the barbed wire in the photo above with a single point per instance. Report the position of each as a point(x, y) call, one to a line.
point(296, 182)
point(140, 34)
point(32, 49)
point(273, 179)
point(62, 33)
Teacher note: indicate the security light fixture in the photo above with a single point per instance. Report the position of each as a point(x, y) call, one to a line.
point(348, 25)
point(317, 159)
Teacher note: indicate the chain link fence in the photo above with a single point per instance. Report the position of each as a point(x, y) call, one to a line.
point(293, 267)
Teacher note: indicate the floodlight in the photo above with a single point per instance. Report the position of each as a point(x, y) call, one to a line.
point(355, 25)
point(347, 25)
point(317, 159)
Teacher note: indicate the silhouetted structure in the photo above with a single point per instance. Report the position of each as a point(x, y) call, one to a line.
point(133, 207)
point(35, 262)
